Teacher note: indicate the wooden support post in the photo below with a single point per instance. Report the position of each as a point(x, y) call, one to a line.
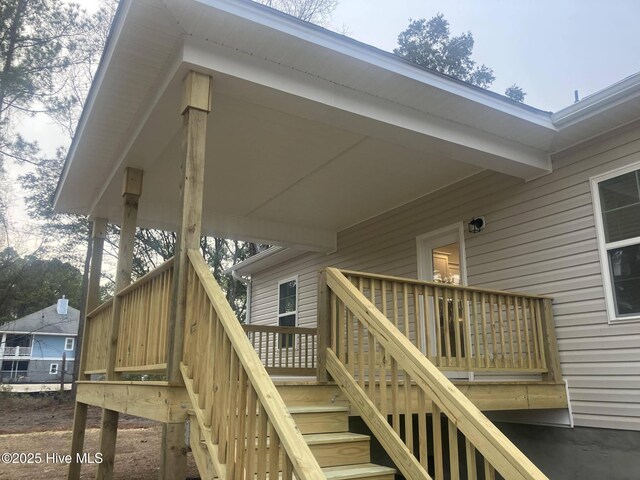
point(196, 106)
point(131, 191)
point(93, 296)
point(323, 325)
point(552, 356)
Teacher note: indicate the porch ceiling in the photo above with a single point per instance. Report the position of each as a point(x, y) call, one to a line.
point(310, 132)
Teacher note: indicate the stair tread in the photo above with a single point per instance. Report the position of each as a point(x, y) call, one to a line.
point(343, 437)
point(356, 471)
point(317, 408)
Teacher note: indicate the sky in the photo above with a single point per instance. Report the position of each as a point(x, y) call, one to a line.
point(548, 47)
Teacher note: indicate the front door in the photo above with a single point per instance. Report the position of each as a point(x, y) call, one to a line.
point(441, 259)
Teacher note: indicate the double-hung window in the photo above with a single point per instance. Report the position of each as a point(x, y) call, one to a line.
point(617, 207)
point(287, 309)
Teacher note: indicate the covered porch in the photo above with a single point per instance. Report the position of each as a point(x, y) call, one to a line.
point(229, 119)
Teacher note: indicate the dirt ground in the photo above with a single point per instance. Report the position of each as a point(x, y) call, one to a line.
point(37, 423)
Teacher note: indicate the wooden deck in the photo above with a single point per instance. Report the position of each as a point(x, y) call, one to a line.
point(381, 351)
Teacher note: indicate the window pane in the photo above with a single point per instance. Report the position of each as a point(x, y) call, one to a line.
point(619, 191)
point(287, 297)
point(624, 264)
point(622, 223)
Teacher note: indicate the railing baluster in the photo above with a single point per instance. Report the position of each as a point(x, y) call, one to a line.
point(262, 444)
point(476, 329)
point(423, 439)
point(466, 326)
point(454, 456)
point(274, 452)
point(408, 412)
point(426, 324)
point(472, 469)
point(437, 442)
point(395, 414)
point(383, 382)
point(251, 432)
point(438, 324)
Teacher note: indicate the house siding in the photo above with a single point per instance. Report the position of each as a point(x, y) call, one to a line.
point(540, 238)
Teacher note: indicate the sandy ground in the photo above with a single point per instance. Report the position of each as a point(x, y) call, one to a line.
point(41, 424)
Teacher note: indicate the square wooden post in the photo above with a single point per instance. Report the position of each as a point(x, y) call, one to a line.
point(93, 294)
point(195, 109)
point(552, 356)
point(323, 325)
point(132, 188)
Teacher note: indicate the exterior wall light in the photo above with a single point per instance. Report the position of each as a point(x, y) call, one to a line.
point(477, 224)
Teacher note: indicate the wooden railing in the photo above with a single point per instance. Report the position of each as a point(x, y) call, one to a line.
point(284, 350)
point(465, 328)
point(144, 317)
point(96, 338)
point(394, 367)
point(244, 421)
point(142, 332)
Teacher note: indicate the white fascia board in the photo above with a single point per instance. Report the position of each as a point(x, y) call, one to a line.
point(322, 37)
point(462, 142)
point(87, 111)
point(598, 102)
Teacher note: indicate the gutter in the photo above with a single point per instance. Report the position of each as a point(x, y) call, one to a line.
point(598, 102)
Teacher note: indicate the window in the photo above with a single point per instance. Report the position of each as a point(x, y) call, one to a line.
point(617, 206)
point(68, 343)
point(287, 309)
point(53, 369)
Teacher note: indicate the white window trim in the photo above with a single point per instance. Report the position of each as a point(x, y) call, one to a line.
point(73, 344)
point(602, 245)
point(295, 312)
point(51, 368)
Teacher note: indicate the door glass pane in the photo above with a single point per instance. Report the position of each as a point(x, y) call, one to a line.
point(624, 265)
point(446, 264)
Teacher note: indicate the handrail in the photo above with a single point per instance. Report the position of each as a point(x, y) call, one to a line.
point(467, 328)
point(428, 283)
point(163, 267)
point(285, 350)
point(234, 399)
point(382, 349)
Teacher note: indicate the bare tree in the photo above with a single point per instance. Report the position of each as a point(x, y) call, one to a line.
point(313, 11)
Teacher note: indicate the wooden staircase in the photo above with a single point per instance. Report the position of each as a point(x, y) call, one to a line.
point(324, 424)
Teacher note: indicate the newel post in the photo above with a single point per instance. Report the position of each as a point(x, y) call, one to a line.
point(552, 356)
point(195, 108)
point(324, 325)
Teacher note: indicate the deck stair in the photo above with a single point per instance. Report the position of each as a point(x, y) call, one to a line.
point(342, 455)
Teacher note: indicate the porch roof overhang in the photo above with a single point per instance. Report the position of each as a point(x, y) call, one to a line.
point(310, 132)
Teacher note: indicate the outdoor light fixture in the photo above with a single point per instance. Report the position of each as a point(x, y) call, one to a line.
point(477, 224)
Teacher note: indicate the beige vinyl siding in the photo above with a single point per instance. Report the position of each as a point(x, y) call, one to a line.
point(540, 238)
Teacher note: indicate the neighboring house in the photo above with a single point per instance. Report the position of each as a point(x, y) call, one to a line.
point(343, 155)
point(32, 347)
